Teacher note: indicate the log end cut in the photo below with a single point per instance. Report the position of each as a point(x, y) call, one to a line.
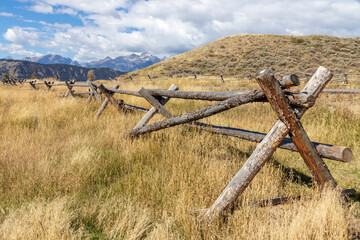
point(347, 155)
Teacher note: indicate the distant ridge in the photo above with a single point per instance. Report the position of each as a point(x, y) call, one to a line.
point(248, 54)
point(24, 70)
point(52, 59)
point(127, 63)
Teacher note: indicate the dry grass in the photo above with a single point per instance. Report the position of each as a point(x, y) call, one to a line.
point(245, 54)
point(66, 175)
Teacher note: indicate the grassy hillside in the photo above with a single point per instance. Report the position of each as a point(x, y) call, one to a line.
point(247, 54)
point(66, 175)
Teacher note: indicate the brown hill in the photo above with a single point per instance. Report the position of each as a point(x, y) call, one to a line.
point(247, 54)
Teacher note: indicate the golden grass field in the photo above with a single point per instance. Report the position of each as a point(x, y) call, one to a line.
point(66, 175)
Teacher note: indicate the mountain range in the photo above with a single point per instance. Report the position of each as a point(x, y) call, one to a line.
point(127, 63)
point(24, 69)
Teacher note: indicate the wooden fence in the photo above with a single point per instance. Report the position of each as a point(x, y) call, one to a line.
point(288, 106)
point(341, 78)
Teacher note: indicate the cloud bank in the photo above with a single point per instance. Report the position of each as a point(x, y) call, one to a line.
point(116, 27)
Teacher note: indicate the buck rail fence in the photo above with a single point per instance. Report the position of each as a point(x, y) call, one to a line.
point(288, 106)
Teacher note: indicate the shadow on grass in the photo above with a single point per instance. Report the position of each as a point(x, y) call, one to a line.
point(294, 175)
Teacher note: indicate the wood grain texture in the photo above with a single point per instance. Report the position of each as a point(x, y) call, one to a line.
point(155, 103)
point(333, 152)
point(153, 111)
point(93, 90)
point(118, 104)
point(263, 151)
point(69, 91)
point(284, 111)
point(198, 114)
point(105, 103)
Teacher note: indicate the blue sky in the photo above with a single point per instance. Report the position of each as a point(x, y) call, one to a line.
point(90, 30)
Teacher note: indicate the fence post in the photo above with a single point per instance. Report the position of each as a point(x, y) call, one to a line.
point(263, 151)
point(280, 105)
point(155, 103)
point(33, 85)
point(105, 103)
point(345, 79)
point(118, 104)
point(221, 79)
point(249, 78)
point(93, 90)
point(69, 91)
point(47, 85)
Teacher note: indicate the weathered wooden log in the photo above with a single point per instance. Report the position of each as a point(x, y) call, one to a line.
point(263, 151)
point(333, 152)
point(298, 135)
point(295, 99)
point(198, 95)
point(89, 98)
point(93, 90)
point(289, 81)
point(37, 83)
point(13, 82)
point(201, 113)
point(153, 110)
point(135, 108)
point(81, 93)
point(198, 114)
point(301, 100)
point(85, 85)
point(47, 85)
point(69, 91)
point(105, 103)
point(33, 85)
point(125, 92)
point(118, 104)
point(57, 84)
point(71, 84)
point(155, 103)
point(341, 91)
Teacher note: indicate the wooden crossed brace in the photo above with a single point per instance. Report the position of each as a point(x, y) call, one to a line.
point(117, 103)
point(69, 91)
point(228, 103)
point(158, 106)
point(93, 92)
point(33, 85)
point(105, 103)
point(275, 136)
point(287, 115)
point(47, 85)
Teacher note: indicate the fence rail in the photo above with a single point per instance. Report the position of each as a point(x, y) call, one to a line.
point(343, 78)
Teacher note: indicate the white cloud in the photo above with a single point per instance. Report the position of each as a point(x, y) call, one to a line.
point(18, 50)
point(67, 10)
point(41, 7)
point(6, 14)
point(169, 27)
point(22, 36)
point(103, 6)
